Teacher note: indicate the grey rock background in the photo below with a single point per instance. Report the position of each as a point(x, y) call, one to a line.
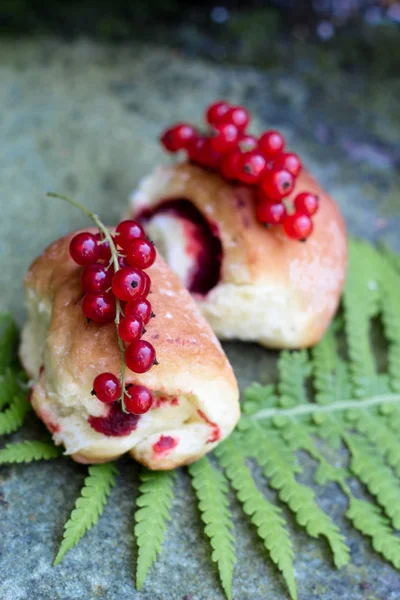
point(83, 118)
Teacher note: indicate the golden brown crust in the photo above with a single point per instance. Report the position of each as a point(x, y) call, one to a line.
point(312, 273)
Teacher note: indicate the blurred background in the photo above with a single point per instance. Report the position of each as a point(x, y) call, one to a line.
point(86, 87)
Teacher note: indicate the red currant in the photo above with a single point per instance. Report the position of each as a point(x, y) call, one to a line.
point(139, 308)
point(140, 356)
point(252, 165)
point(306, 203)
point(95, 278)
point(238, 116)
point(146, 284)
point(130, 329)
point(271, 143)
point(298, 226)
point(84, 249)
point(107, 387)
point(247, 142)
point(216, 111)
point(202, 152)
point(230, 165)
point(140, 253)
point(277, 184)
point(128, 283)
point(99, 306)
point(178, 137)
point(289, 161)
point(127, 231)
point(104, 247)
point(272, 213)
point(225, 138)
point(138, 399)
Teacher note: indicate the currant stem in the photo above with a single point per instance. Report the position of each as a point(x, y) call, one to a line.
point(114, 260)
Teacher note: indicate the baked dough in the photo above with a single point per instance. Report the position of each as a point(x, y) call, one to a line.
point(196, 395)
point(267, 288)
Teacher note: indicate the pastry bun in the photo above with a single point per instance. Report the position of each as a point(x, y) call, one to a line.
point(251, 283)
point(195, 391)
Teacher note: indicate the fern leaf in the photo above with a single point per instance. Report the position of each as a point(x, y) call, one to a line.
point(293, 368)
point(155, 500)
point(368, 519)
point(390, 303)
point(360, 301)
point(267, 517)
point(8, 387)
point(257, 397)
point(89, 506)
point(299, 498)
point(374, 427)
point(25, 452)
point(368, 466)
point(13, 418)
point(8, 340)
point(211, 489)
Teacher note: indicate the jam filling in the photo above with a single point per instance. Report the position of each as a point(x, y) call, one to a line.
point(164, 445)
point(203, 242)
point(116, 423)
point(215, 430)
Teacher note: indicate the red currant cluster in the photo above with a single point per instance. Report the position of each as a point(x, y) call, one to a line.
point(240, 157)
point(116, 287)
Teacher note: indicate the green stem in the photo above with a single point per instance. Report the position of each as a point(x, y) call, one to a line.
point(114, 254)
point(311, 409)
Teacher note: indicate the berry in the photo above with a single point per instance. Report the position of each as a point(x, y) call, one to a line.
point(238, 116)
point(130, 329)
point(289, 161)
point(225, 138)
point(104, 247)
point(140, 356)
point(230, 165)
point(216, 111)
point(127, 231)
point(146, 284)
point(95, 278)
point(277, 184)
point(306, 203)
point(202, 152)
point(139, 400)
point(99, 306)
point(84, 249)
point(271, 143)
point(139, 308)
point(178, 137)
point(140, 253)
point(251, 166)
point(107, 387)
point(247, 142)
point(272, 213)
point(298, 226)
point(128, 283)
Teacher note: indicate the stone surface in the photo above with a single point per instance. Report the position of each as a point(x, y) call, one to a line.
point(83, 119)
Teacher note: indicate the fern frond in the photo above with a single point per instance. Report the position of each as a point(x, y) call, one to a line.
point(211, 489)
point(8, 387)
point(257, 397)
point(390, 303)
point(89, 506)
point(367, 465)
point(360, 301)
point(13, 418)
point(299, 498)
point(25, 452)
point(293, 368)
point(267, 518)
point(374, 427)
point(154, 502)
point(8, 340)
point(368, 519)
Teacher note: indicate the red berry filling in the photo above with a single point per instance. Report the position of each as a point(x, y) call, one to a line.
point(203, 236)
point(164, 445)
point(215, 430)
point(240, 157)
point(116, 423)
